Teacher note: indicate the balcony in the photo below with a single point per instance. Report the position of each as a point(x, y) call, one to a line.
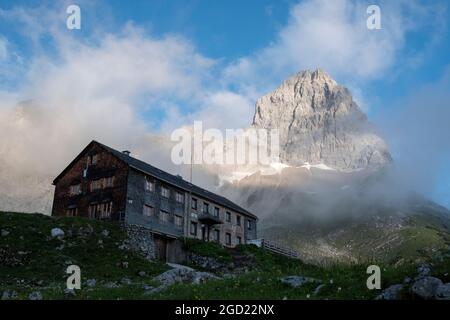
point(209, 219)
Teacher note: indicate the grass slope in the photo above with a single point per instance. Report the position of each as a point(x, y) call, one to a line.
point(30, 260)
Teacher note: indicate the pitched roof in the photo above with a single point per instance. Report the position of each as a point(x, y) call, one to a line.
point(168, 178)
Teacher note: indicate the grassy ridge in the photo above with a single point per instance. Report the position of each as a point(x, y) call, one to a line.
point(31, 260)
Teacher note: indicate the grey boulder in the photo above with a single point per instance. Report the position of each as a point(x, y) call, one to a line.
point(391, 293)
point(426, 287)
point(298, 281)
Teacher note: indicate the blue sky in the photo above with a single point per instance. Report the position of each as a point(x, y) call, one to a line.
point(234, 52)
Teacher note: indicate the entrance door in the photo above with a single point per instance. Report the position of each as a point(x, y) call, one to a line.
point(161, 248)
point(203, 233)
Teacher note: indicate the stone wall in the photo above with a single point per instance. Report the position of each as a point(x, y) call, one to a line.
point(141, 240)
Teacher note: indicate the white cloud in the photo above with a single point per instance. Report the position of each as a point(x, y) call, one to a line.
point(101, 86)
point(333, 35)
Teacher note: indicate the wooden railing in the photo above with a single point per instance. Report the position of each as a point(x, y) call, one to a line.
point(275, 247)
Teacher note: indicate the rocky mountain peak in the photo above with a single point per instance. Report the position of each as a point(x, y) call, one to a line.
point(320, 123)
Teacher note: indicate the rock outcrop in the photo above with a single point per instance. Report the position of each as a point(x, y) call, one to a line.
point(320, 123)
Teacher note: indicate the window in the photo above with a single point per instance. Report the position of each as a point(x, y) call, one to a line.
point(239, 240)
point(106, 209)
point(72, 212)
point(228, 216)
point(96, 184)
point(217, 235)
point(102, 183)
point(179, 197)
point(164, 216)
point(108, 182)
point(75, 189)
point(205, 207)
point(100, 210)
point(193, 228)
point(238, 220)
point(216, 211)
point(178, 221)
point(194, 203)
point(249, 225)
point(228, 239)
point(149, 211)
point(92, 159)
point(149, 185)
point(165, 192)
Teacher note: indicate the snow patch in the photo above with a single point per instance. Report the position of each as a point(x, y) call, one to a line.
point(321, 166)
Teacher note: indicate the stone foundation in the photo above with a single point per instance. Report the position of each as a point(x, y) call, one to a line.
point(141, 240)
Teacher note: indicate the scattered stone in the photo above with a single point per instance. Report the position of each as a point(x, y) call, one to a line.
point(35, 295)
point(57, 233)
point(100, 241)
point(147, 287)
point(208, 263)
point(40, 282)
point(298, 281)
point(125, 265)
point(68, 262)
point(426, 287)
point(85, 232)
point(184, 274)
point(91, 283)
point(443, 292)
point(142, 273)
point(4, 233)
point(105, 233)
point(70, 292)
point(423, 270)
point(318, 289)
point(407, 280)
point(111, 285)
point(125, 281)
point(9, 295)
point(391, 293)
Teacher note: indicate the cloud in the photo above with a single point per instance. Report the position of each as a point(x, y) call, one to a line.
point(333, 35)
point(418, 131)
point(105, 89)
point(129, 88)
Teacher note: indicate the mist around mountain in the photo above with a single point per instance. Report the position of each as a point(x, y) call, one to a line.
point(338, 194)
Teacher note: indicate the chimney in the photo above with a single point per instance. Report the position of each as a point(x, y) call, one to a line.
point(126, 152)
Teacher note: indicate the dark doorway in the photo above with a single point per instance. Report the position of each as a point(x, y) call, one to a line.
point(161, 248)
point(203, 233)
